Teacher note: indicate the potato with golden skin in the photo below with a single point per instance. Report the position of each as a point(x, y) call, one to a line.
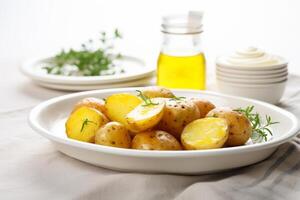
point(177, 114)
point(157, 91)
point(203, 105)
point(205, 133)
point(119, 105)
point(98, 104)
point(83, 123)
point(239, 125)
point(113, 134)
point(155, 140)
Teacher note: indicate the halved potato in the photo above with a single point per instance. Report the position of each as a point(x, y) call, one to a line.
point(119, 105)
point(83, 123)
point(155, 140)
point(98, 104)
point(113, 134)
point(239, 126)
point(205, 133)
point(144, 117)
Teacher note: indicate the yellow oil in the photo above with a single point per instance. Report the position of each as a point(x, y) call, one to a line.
point(181, 71)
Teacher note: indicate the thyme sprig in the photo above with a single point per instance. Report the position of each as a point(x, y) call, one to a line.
point(147, 100)
point(175, 98)
point(260, 130)
point(85, 123)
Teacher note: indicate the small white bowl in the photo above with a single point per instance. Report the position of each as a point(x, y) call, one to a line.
point(251, 81)
point(270, 93)
point(242, 72)
point(251, 76)
point(254, 68)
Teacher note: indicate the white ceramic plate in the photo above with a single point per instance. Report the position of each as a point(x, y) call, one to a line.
point(270, 93)
point(251, 80)
point(254, 72)
point(254, 68)
point(134, 69)
point(134, 83)
point(49, 117)
point(251, 76)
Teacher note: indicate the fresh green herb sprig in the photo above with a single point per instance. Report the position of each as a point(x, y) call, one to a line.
point(147, 100)
point(88, 61)
point(175, 98)
point(85, 123)
point(260, 131)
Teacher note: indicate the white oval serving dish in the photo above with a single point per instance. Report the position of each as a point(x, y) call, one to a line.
point(48, 119)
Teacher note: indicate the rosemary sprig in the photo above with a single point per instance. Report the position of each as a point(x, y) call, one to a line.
point(260, 131)
point(147, 100)
point(89, 60)
point(85, 123)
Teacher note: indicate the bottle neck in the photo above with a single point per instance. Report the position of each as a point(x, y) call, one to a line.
point(181, 44)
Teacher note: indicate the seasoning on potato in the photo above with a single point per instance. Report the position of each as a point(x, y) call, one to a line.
point(157, 91)
point(159, 120)
point(83, 123)
point(145, 116)
point(98, 104)
point(155, 140)
point(177, 114)
point(239, 125)
point(205, 133)
point(204, 106)
point(113, 134)
point(119, 105)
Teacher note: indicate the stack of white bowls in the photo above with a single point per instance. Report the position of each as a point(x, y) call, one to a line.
point(252, 73)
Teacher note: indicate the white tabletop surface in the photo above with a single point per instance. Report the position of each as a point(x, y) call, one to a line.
point(30, 167)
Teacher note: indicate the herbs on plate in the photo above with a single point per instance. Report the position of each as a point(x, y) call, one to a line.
point(94, 58)
point(147, 100)
point(260, 129)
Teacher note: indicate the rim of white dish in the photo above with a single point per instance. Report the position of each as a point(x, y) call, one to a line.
point(256, 77)
point(64, 87)
point(254, 68)
point(242, 72)
point(33, 116)
point(27, 68)
point(251, 80)
point(277, 67)
point(251, 85)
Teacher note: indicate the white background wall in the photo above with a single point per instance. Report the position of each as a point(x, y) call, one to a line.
point(29, 28)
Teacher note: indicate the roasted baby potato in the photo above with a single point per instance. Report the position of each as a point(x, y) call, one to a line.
point(177, 114)
point(156, 91)
point(144, 117)
point(83, 123)
point(155, 140)
point(113, 134)
point(206, 133)
point(204, 106)
point(119, 105)
point(239, 125)
point(98, 104)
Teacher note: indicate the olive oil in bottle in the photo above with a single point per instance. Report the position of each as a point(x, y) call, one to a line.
point(181, 63)
point(181, 71)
